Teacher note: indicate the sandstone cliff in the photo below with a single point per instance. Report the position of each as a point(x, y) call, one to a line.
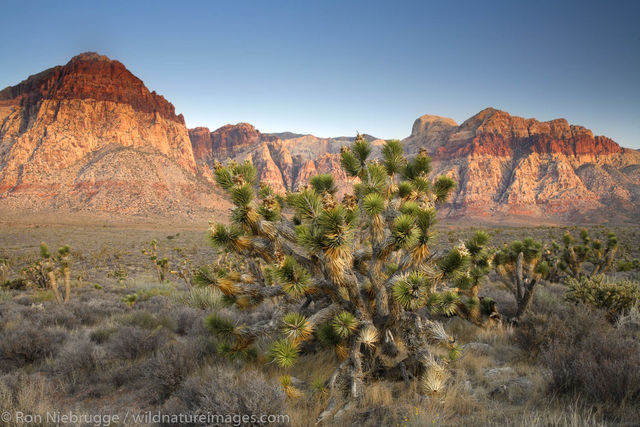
point(89, 135)
point(284, 160)
point(511, 166)
point(506, 166)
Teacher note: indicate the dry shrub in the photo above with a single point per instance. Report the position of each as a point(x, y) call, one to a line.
point(163, 374)
point(222, 390)
point(27, 343)
point(586, 355)
point(131, 342)
point(76, 363)
point(189, 321)
point(53, 314)
point(30, 394)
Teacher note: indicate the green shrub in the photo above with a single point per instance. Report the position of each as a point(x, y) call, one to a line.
point(19, 284)
point(628, 265)
point(205, 298)
point(616, 297)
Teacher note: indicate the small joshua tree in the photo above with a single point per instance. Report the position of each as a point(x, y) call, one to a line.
point(36, 274)
point(570, 258)
point(358, 273)
point(61, 262)
point(185, 267)
point(161, 264)
point(119, 273)
point(520, 267)
point(45, 272)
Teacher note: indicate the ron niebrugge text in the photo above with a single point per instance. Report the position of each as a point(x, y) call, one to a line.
point(100, 420)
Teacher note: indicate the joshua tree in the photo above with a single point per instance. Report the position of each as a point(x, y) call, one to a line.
point(161, 264)
point(185, 267)
point(358, 273)
point(571, 257)
point(520, 268)
point(61, 267)
point(44, 273)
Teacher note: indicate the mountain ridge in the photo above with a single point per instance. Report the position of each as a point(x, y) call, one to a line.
point(505, 166)
point(89, 136)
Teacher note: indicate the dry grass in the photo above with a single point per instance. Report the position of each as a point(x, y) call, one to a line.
point(90, 354)
point(30, 394)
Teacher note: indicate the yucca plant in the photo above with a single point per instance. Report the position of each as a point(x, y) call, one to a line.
point(161, 264)
point(319, 388)
point(289, 389)
point(351, 273)
point(582, 257)
point(520, 267)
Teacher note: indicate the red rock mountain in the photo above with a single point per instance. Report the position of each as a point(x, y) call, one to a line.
point(284, 160)
point(505, 166)
point(511, 166)
point(90, 136)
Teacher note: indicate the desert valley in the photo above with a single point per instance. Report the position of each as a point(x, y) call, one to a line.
point(481, 273)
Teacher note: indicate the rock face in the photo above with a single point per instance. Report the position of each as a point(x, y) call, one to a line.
point(284, 160)
point(89, 135)
point(225, 141)
point(506, 167)
point(511, 166)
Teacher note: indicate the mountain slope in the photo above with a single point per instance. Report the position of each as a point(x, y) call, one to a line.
point(511, 166)
point(505, 166)
point(90, 136)
point(284, 160)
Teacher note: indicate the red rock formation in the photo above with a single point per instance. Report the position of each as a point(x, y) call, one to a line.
point(504, 165)
point(507, 165)
point(59, 127)
point(91, 76)
point(282, 163)
point(227, 141)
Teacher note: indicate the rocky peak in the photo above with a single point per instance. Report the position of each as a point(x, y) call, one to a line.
point(429, 132)
point(429, 123)
point(226, 141)
point(496, 132)
point(91, 126)
point(232, 137)
point(90, 57)
point(91, 76)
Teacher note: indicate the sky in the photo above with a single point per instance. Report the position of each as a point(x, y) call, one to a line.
point(334, 68)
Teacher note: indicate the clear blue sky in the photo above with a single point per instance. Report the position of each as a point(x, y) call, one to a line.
point(333, 67)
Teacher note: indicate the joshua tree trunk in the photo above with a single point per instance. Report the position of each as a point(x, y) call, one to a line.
point(520, 267)
point(67, 284)
point(54, 286)
point(3, 273)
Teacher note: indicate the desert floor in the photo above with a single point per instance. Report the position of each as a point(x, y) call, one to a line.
point(127, 343)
